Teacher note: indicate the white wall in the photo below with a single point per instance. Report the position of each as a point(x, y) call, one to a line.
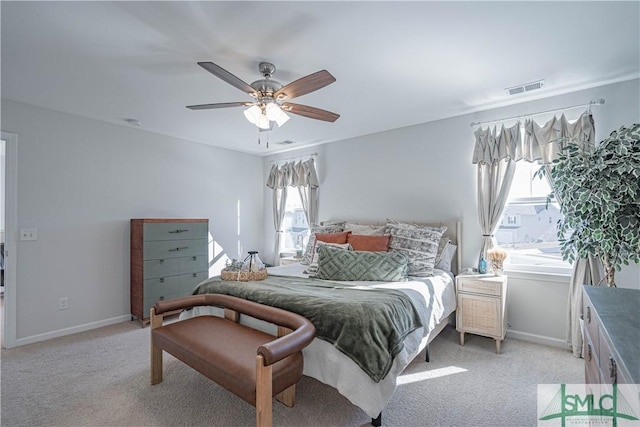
point(424, 172)
point(80, 181)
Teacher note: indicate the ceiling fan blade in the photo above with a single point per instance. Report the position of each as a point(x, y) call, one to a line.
point(218, 105)
point(311, 112)
point(305, 85)
point(220, 72)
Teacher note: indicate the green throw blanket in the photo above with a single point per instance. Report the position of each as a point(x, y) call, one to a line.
point(366, 325)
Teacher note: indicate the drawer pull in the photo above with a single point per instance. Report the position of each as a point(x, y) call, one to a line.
point(613, 371)
point(161, 261)
point(162, 280)
point(588, 314)
point(195, 274)
point(179, 249)
point(161, 298)
point(589, 354)
point(194, 258)
point(178, 231)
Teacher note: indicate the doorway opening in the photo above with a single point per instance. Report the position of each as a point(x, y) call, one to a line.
point(8, 236)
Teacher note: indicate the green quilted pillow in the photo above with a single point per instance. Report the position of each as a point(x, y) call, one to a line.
point(338, 264)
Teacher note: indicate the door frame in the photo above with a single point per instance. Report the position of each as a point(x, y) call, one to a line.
point(10, 239)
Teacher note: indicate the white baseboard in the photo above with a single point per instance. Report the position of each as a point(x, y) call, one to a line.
point(73, 330)
point(540, 339)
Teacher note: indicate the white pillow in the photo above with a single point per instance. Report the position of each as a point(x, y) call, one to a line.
point(447, 257)
point(367, 230)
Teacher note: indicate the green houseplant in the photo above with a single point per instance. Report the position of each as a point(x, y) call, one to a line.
point(599, 192)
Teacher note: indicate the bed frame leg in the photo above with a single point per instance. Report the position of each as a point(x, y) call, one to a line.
point(426, 354)
point(377, 422)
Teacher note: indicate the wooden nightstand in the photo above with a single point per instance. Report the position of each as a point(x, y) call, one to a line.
point(481, 306)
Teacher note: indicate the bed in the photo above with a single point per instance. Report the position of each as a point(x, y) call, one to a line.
point(367, 384)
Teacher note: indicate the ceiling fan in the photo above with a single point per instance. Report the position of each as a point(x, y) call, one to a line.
point(272, 98)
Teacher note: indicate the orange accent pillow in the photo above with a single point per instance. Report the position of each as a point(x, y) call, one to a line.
point(361, 242)
point(339, 238)
point(333, 237)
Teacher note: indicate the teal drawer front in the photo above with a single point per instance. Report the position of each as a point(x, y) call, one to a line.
point(161, 286)
point(161, 267)
point(188, 282)
point(175, 231)
point(175, 249)
point(149, 302)
point(194, 264)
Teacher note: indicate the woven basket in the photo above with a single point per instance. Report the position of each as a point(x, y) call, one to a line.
point(243, 276)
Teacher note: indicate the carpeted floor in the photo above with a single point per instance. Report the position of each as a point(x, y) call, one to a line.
point(101, 378)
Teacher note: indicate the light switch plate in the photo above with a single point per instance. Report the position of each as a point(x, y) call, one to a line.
point(27, 234)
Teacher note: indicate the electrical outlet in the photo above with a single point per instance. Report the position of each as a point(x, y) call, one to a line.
point(63, 303)
point(27, 234)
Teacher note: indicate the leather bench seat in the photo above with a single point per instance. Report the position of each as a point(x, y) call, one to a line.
point(199, 340)
point(252, 364)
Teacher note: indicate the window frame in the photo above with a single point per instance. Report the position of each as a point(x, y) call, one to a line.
point(510, 266)
point(291, 251)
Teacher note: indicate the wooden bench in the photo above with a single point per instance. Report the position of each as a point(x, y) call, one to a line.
point(252, 364)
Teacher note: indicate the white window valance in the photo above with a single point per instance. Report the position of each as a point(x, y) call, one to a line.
point(293, 174)
point(537, 142)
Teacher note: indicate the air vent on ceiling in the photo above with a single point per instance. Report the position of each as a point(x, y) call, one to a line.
point(527, 87)
point(286, 142)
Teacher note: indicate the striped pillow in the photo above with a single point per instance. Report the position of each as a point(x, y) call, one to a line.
point(322, 229)
point(418, 242)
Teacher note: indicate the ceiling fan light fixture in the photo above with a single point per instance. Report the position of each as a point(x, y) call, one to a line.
point(263, 122)
point(252, 114)
point(273, 111)
point(282, 119)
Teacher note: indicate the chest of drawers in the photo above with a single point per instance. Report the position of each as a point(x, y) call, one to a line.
point(169, 257)
point(611, 326)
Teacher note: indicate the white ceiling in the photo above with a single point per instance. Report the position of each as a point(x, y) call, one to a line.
point(396, 64)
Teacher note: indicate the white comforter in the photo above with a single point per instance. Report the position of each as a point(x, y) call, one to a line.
point(327, 364)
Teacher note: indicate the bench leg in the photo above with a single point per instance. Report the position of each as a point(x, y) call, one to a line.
point(287, 396)
point(156, 352)
point(264, 393)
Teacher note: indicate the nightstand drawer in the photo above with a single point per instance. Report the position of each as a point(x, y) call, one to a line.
point(490, 285)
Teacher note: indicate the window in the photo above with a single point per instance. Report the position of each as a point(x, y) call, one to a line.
point(295, 227)
point(528, 227)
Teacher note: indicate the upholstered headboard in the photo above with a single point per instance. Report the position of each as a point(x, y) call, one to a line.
point(453, 232)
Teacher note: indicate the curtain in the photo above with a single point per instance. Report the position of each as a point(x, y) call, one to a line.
point(539, 144)
point(494, 154)
point(278, 182)
point(301, 175)
point(540, 141)
point(308, 184)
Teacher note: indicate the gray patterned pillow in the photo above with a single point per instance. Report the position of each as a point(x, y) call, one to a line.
point(418, 242)
point(338, 264)
point(323, 229)
point(313, 267)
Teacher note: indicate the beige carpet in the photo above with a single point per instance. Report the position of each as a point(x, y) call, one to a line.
point(101, 378)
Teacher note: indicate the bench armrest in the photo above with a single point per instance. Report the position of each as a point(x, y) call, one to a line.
point(302, 333)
